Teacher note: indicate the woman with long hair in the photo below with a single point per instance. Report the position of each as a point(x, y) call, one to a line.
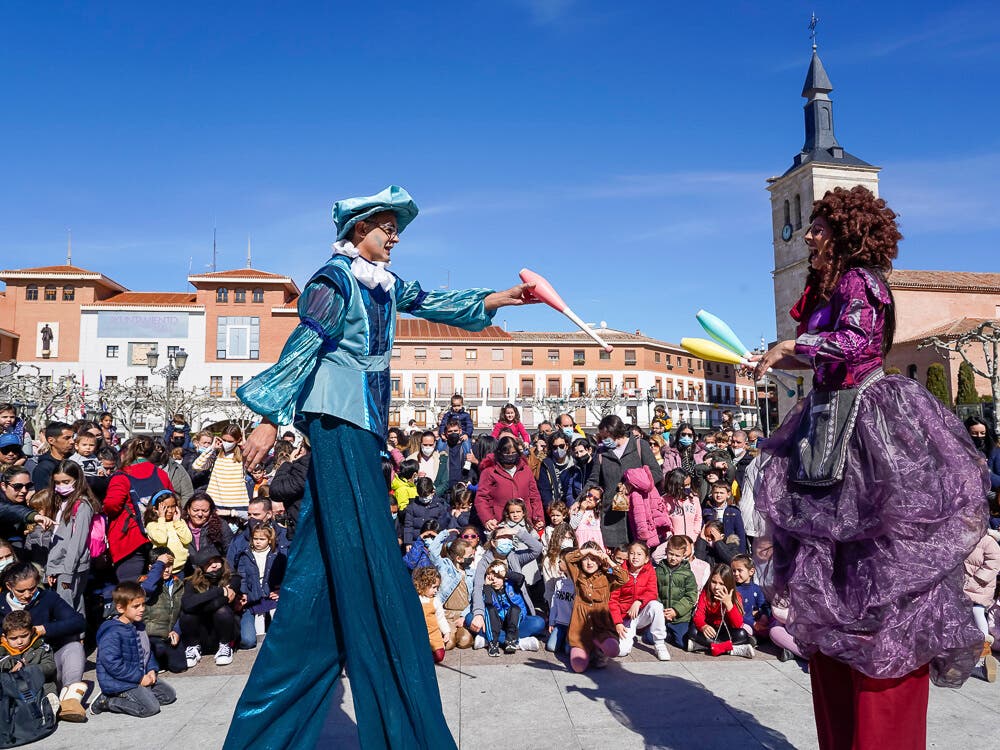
point(228, 483)
point(68, 564)
point(210, 535)
point(870, 524)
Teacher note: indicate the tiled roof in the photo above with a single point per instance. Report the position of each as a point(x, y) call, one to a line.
point(421, 330)
point(42, 272)
point(242, 273)
point(945, 280)
point(954, 327)
point(610, 335)
point(182, 299)
point(8, 334)
point(64, 270)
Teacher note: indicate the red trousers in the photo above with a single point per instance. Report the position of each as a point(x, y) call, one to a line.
point(856, 712)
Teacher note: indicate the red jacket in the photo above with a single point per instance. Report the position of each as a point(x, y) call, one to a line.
point(126, 533)
point(517, 428)
point(496, 487)
point(709, 612)
point(641, 587)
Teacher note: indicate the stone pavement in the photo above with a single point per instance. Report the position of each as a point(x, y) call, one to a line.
point(531, 700)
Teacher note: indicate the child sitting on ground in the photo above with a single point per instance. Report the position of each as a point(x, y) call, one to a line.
point(504, 606)
point(717, 625)
point(126, 667)
point(164, 590)
point(424, 507)
point(756, 610)
point(166, 528)
point(592, 635)
point(677, 589)
point(720, 506)
point(560, 605)
point(585, 517)
point(261, 568)
point(21, 648)
point(427, 582)
point(636, 604)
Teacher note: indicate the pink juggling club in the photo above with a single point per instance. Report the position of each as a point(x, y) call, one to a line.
point(543, 291)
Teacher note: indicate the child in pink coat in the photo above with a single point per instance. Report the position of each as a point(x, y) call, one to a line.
point(648, 518)
point(982, 567)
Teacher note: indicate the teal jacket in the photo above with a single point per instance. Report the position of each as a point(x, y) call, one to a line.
point(336, 361)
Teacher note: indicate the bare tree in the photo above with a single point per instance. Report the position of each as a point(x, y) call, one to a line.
point(986, 335)
point(130, 404)
point(602, 403)
point(235, 412)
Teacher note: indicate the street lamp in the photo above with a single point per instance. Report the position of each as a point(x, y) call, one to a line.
point(651, 394)
point(176, 362)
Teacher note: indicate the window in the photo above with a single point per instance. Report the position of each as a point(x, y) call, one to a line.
point(111, 352)
point(237, 338)
point(579, 387)
point(579, 357)
point(50, 294)
point(142, 381)
point(393, 417)
point(798, 212)
point(527, 356)
point(446, 385)
point(631, 384)
point(258, 295)
point(110, 381)
point(527, 387)
point(788, 214)
point(668, 386)
point(553, 386)
point(470, 386)
point(394, 387)
point(420, 386)
point(396, 352)
point(630, 358)
point(471, 354)
point(235, 381)
point(172, 351)
point(474, 416)
point(420, 417)
point(31, 292)
point(656, 357)
point(69, 293)
point(911, 372)
point(215, 386)
point(222, 294)
point(498, 386)
point(240, 296)
point(420, 352)
point(605, 355)
point(553, 355)
point(690, 366)
point(496, 355)
point(446, 352)
point(604, 386)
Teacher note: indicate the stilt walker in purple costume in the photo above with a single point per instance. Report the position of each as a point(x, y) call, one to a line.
point(347, 599)
point(874, 495)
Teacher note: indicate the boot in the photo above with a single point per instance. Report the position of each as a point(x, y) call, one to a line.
point(71, 703)
point(989, 662)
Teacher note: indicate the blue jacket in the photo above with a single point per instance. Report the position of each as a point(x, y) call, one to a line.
point(463, 417)
point(451, 576)
point(274, 573)
point(753, 601)
point(732, 522)
point(62, 623)
point(419, 512)
point(570, 482)
point(120, 666)
point(417, 557)
point(241, 542)
point(994, 463)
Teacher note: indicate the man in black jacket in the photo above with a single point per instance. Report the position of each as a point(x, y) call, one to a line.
point(60, 438)
point(288, 485)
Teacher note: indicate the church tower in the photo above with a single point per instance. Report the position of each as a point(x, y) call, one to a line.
point(820, 166)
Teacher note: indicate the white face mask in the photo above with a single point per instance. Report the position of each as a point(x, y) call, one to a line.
point(228, 445)
point(737, 452)
point(426, 450)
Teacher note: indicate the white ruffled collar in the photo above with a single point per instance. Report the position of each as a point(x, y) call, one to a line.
point(369, 273)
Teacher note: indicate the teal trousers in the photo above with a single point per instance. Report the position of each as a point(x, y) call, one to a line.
point(347, 600)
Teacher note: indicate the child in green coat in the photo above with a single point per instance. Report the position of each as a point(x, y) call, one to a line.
point(677, 589)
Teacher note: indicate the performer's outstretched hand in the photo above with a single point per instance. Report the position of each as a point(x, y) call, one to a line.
point(259, 443)
point(516, 295)
point(781, 355)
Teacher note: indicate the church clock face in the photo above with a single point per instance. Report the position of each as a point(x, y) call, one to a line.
point(786, 232)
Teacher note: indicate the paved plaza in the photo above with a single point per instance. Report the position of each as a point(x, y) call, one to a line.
point(531, 700)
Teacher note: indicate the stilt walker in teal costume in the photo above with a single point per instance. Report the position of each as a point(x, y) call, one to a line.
point(347, 599)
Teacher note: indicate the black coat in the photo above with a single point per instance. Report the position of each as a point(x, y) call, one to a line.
point(606, 472)
point(418, 513)
point(62, 623)
point(198, 557)
point(288, 485)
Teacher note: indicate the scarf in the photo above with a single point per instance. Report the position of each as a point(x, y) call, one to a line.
point(368, 273)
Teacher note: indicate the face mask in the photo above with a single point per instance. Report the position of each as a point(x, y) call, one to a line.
point(214, 577)
point(204, 449)
point(980, 442)
point(568, 432)
point(64, 489)
point(6, 562)
point(686, 441)
point(560, 453)
point(609, 443)
point(228, 445)
point(453, 439)
point(504, 546)
point(753, 444)
point(507, 459)
point(666, 435)
point(394, 515)
point(737, 452)
point(177, 441)
point(426, 450)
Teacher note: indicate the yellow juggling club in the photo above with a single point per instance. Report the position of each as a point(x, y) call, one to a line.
point(705, 349)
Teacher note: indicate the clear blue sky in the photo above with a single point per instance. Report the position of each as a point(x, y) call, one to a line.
point(621, 149)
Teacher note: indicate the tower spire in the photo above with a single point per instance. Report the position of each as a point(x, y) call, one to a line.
point(249, 257)
point(214, 233)
point(69, 247)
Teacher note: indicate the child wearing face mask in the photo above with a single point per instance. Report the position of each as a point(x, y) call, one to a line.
point(68, 564)
point(454, 558)
point(425, 506)
point(228, 484)
point(166, 528)
point(208, 621)
point(585, 518)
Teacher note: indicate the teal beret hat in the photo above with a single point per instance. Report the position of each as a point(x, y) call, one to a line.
point(348, 212)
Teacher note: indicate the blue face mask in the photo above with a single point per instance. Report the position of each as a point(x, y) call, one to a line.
point(504, 546)
point(686, 441)
point(609, 443)
point(568, 432)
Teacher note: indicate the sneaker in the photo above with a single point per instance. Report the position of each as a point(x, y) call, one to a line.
point(662, 652)
point(529, 644)
point(786, 655)
point(193, 655)
point(753, 640)
point(691, 646)
point(99, 705)
point(479, 642)
point(990, 668)
point(510, 647)
point(744, 649)
point(600, 660)
point(224, 656)
point(493, 649)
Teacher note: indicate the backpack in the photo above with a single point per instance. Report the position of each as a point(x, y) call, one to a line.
point(97, 540)
point(140, 492)
point(25, 712)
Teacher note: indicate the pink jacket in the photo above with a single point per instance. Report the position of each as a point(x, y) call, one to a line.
point(685, 515)
point(517, 428)
point(982, 567)
point(648, 519)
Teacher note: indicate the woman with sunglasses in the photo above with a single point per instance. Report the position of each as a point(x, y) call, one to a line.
point(14, 511)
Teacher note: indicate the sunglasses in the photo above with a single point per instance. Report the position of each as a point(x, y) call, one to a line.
point(470, 536)
point(18, 486)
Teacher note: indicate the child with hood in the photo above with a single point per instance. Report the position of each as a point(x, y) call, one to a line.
point(648, 518)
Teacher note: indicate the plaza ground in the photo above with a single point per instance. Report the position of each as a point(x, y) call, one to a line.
point(531, 700)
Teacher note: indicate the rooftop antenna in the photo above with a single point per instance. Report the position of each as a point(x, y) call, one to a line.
point(69, 247)
point(214, 232)
point(249, 258)
point(813, 22)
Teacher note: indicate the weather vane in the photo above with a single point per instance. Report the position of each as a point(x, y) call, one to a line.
point(812, 29)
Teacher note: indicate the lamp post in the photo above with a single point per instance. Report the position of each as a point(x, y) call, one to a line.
point(176, 362)
point(651, 394)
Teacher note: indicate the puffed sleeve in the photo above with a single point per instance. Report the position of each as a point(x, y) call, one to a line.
point(275, 392)
point(463, 308)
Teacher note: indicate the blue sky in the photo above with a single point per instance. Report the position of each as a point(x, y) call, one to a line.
point(620, 149)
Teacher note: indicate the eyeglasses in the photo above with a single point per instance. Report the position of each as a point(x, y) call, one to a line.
point(470, 536)
point(18, 486)
point(391, 232)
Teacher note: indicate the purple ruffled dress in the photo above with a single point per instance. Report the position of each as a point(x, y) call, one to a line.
point(872, 565)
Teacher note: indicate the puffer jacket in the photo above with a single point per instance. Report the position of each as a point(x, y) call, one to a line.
point(677, 589)
point(648, 518)
point(982, 567)
point(640, 587)
point(496, 487)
